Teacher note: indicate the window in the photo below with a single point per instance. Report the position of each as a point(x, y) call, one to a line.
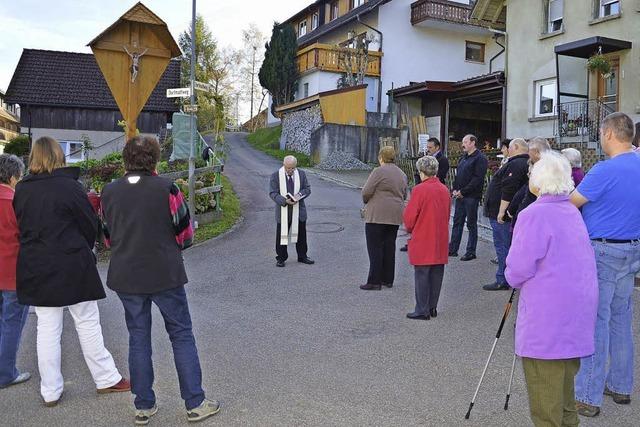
point(302, 29)
point(315, 19)
point(333, 11)
point(474, 52)
point(306, 90)
point(356, 3)
point(609, 8)
point(554, 11)
point(73, 151)
point(545, 98)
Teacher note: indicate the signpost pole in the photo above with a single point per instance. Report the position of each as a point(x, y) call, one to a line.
point(192, 161)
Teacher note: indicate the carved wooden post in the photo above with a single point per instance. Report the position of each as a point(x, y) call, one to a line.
point(132, 55)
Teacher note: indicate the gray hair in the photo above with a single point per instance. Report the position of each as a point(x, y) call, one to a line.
point(621, 125)
point(552, 174)
point(520, 143)
point(10, 167)
point(428, 165)
point(539, 144)
point(290, 159)
point(574, 157)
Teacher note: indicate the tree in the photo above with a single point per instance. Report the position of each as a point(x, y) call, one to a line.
point(279, 73)
point(211, 112)
point(251, 56)
point(18, 146)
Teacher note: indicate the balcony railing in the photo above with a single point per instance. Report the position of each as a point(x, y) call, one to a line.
point(440, 10)
point(580, 121)
point(323, 57)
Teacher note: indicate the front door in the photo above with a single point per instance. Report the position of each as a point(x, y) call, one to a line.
point(608, 86)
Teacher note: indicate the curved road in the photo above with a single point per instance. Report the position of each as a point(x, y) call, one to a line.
point(303, 345)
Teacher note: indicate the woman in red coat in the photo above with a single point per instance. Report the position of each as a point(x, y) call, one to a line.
point(13, 315)
point(427, 219)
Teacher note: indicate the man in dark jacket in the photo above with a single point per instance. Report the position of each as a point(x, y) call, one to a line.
point(147, 223)
point(467, 192)
point(502, 188)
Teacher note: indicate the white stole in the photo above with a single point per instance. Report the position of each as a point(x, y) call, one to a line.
point(284, 217)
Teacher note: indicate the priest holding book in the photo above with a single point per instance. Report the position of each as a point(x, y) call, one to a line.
point(288, 188)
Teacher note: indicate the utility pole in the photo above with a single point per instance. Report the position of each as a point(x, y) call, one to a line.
point(253, 74)
point(192, 160)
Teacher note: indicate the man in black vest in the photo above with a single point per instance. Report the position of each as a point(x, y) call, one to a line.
point(147, 223)
point(467, 192)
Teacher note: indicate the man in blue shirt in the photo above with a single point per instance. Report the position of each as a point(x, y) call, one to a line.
point(610, 203)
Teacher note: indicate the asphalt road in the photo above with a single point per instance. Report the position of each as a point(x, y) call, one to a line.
point(303, 346)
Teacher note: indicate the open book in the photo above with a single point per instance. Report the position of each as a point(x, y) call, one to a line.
point(296, 197)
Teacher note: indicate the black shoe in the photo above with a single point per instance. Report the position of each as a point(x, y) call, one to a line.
point(496, 287)
point(388, 285)
point(468, 257)
point(279, 263)
point(306, 260)
point(451, 253)
point(619, 398)
point(370, 287)
point(433, 312)
point(494, 261)
point(405, 248)
point(416, 316)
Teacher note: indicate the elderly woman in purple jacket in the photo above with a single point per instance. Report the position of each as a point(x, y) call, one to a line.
point(552, 262)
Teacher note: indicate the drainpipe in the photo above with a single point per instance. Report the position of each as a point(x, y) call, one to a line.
point(504, 49)
point(379, 50)
point(506, 44)
point(503, 131)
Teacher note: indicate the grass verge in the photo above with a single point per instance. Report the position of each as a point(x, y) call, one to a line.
point(230, 214)
point(267, 140)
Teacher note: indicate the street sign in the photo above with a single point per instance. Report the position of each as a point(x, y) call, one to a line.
point(423, 139)
point(205, 87)
point(181, 92)
point(188, 108)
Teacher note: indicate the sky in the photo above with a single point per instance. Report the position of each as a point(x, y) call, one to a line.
point(68, 25)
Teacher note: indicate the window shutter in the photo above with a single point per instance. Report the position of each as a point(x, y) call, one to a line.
point(555, 10)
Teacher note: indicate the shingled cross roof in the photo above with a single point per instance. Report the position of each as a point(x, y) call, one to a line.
point(68, 79)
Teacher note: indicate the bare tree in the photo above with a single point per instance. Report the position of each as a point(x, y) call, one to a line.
point(251, 54)
point(354, 59)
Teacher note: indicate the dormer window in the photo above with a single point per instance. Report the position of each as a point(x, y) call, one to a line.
point(315, 19)
point(302, 29)
point(333, 11)
point(609, 8)
point(356, 3)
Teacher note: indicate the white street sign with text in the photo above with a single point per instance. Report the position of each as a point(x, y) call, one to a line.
point(181, 92)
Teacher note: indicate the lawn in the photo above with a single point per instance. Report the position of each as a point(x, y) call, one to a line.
point(267, 140)
point(230, 214)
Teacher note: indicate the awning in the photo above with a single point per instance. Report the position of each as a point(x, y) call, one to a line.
point(587, 47)
point(474, 86)
point(422, 88)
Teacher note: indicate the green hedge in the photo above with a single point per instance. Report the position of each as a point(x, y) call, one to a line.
point(267, 140)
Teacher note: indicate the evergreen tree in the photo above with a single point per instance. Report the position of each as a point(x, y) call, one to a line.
point(279, 72)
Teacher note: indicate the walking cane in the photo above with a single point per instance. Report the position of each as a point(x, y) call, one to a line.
point(513, 368)
point(507, 309)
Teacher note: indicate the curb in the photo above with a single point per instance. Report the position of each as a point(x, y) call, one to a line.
point(330, 178)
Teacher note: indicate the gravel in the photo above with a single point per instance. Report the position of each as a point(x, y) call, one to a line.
point(339, 160)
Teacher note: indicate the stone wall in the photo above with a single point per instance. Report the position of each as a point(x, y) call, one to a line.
point(297, 128)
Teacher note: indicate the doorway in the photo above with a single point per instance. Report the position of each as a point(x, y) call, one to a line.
point(608, 86)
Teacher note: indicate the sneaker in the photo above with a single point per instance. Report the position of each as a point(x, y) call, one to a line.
point(121, 386)
point(144, 415)
point(619, 398)
point(587, 410)
point(206, 409)
point(22, 377)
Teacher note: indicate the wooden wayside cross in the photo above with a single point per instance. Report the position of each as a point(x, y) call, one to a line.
point(132, 54)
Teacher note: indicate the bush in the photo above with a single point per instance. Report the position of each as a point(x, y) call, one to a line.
point(267, 140)
point(18, 146)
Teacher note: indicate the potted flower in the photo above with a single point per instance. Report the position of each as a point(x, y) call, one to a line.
point(572, 129)
point(601, 64)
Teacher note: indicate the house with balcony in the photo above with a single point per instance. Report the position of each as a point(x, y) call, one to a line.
point(9, 122)
point(553, 92)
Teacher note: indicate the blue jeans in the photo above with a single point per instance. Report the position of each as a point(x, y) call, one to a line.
point(502, 243)
point(13, 316)
point(617, 265)
point(465, 208)
point(177, 320)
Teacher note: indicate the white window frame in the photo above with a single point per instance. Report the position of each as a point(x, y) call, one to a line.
point(537, 98)
point(302, 28)
point(357, 3)
point(334, 10)
point(315, 21)
point(550, 17)
point(66, 148)
point(604, 3)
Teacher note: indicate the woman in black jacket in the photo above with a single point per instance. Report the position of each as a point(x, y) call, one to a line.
point(56, 268)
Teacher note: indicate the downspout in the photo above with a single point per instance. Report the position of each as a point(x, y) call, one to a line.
point(379, 50)
point(503, 131)
point(496, 55)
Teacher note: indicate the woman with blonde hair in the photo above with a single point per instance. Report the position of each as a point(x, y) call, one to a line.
point(56, 268)
point(383, 195)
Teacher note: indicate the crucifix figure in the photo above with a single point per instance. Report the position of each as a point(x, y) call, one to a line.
point(135, 62)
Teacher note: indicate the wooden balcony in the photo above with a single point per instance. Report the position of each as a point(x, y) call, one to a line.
point(440, 10)
point(324, 57)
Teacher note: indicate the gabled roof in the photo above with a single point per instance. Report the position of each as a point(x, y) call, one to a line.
point(68, 79)
point(363, 9)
